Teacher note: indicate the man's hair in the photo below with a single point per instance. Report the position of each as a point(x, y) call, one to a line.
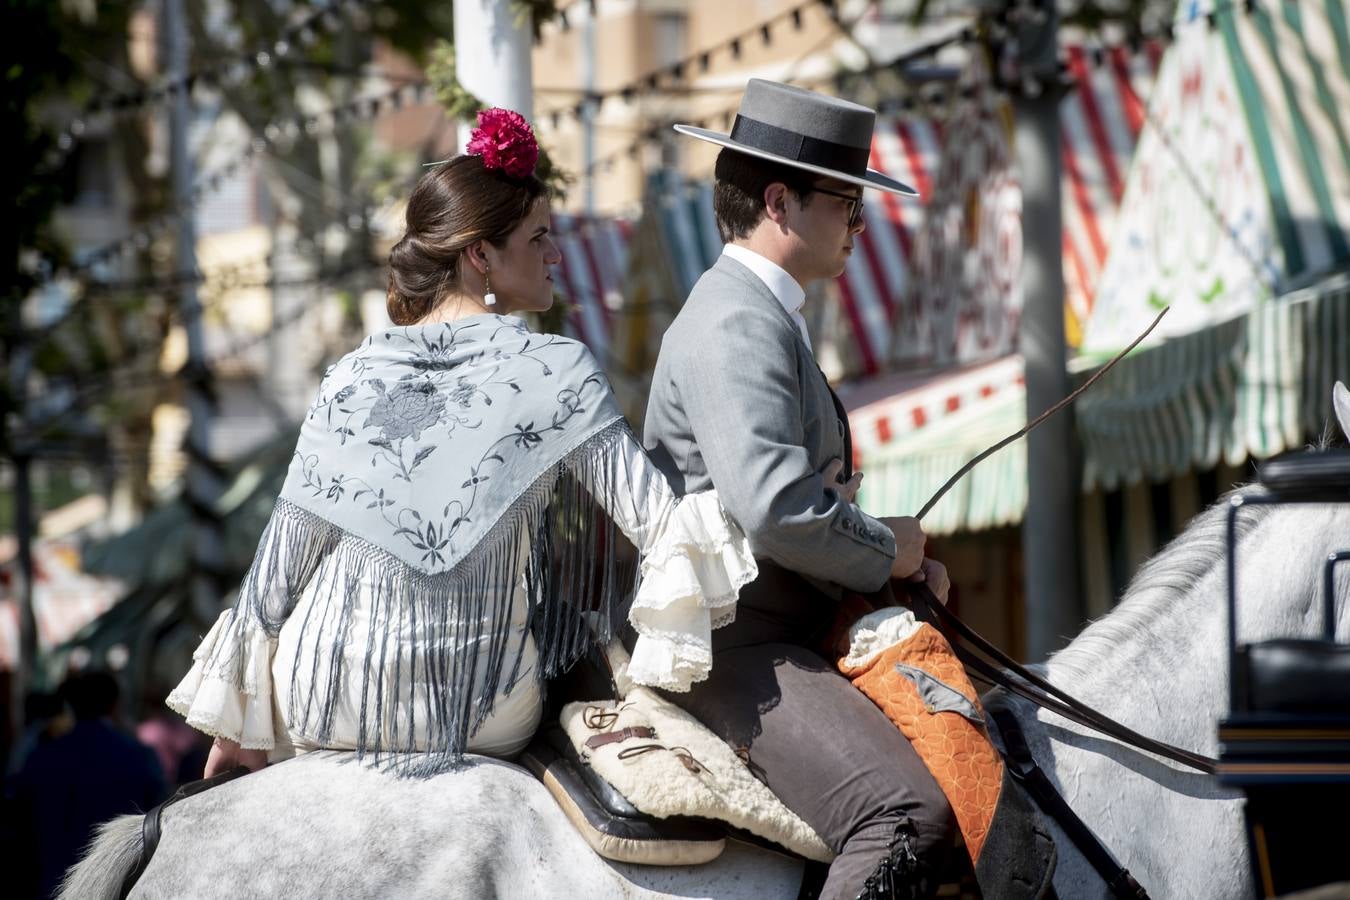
point(91, 694)
point(738, 194)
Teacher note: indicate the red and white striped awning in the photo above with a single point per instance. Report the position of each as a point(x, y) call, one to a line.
point(883, 411)
point(592, 274)
point(911, 433)
point(1100, 124)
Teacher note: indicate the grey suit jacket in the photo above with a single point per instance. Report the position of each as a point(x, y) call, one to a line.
point(738, 404)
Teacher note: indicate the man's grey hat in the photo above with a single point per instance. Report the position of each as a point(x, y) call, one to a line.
point(800, 128)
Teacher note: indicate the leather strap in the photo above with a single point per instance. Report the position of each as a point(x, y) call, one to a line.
point(623, 734)
point(150, 824)
point(1023, 768)
point(1015, 677)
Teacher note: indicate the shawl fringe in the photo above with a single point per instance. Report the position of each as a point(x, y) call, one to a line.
point(577, 576)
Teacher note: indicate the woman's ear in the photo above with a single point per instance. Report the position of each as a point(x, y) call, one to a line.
point(477, 257)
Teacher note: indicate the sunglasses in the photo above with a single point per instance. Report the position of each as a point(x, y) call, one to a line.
point(855, 203)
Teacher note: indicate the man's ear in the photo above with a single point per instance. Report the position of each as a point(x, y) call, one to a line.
point(775, 202)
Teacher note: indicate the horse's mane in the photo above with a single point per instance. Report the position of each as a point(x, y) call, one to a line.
point(1165, 581)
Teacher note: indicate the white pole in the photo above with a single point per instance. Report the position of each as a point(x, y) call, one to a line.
point(203, 485)
point(492, 57)
point(588, 123)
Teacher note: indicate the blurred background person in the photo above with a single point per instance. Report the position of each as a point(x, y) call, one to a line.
point(73, 782)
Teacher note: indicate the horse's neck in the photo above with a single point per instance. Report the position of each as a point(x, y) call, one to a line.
point(1158, 665)
point(1164, 678)
point(1159, 662)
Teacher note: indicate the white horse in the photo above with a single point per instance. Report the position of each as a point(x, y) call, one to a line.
point(319, 825)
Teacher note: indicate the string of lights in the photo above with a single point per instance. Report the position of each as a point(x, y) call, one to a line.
point(275, 135)
point(700, 61)
point(326, 17)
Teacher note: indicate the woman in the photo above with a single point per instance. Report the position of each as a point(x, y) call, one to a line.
point(417, 579)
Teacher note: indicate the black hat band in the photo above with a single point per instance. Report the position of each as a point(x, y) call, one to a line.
point(799, 147)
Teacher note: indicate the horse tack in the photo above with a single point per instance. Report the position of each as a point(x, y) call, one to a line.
point(687, 759)
point(623, 734)
point(150, 825)
point(1022, 765)
point(1013, 676)
point(1025, 771)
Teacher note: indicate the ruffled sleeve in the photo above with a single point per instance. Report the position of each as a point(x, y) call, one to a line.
point(691, 575)
point(228, 691)
point(695, 560)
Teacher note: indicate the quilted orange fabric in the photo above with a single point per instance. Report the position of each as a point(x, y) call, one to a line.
point(956, 750)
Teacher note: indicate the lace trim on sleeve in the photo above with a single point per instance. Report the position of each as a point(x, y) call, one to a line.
point(692, 574)
point(218, 705)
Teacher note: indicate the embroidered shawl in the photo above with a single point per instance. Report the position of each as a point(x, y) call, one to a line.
point(431, 454)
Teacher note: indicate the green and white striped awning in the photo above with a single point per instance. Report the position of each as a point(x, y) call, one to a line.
point(912, 433)
point(899, 477)
point(1250, 387)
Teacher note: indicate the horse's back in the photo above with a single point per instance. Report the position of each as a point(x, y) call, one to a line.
point(324, 825)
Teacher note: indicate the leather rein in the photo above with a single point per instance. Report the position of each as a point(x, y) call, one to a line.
point(1015, 678)
point(1007, 673)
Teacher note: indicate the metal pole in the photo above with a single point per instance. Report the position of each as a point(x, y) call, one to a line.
point(1054, 609)
point(492, 57)
point(588, 111)
point(203, 484)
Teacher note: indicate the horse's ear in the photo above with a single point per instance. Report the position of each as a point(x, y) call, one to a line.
point(1340, 398)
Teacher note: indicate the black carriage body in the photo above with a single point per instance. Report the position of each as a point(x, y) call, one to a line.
point(1286, 740)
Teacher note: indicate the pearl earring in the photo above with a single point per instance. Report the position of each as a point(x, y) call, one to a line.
point(489, 298)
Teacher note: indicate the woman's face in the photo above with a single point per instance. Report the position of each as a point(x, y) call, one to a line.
point(520, 270)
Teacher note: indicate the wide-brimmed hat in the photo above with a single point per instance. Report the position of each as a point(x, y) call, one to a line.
point(801, 128)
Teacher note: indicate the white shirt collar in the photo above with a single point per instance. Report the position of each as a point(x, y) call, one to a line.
point(782, 285)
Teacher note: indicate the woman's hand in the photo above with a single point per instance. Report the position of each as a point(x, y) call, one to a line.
point(846, 489)
point(934, 574)
point(226, 754)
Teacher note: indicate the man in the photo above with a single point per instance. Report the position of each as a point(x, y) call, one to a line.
point(738, 404)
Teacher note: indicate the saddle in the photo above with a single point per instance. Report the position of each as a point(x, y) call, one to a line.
point(612, 826)
point(604, 736)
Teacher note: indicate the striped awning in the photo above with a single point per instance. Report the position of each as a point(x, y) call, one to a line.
point(1100, 123)
point(1240, 189)
point(1291, 68)
point(935, 280)
point(1253, 387)
point(592, 275)
point(917, 435)
point(1249, 388)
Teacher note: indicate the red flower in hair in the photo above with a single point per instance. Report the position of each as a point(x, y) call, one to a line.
point(504, 140)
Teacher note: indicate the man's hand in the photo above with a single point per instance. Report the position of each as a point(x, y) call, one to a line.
point(846, 489)
point(909, 542)
point(934, 574)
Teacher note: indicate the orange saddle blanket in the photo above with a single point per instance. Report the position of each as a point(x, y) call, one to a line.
point(909, 670)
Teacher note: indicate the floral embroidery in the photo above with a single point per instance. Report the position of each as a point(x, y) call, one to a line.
point(405, 411)
point(460, 375)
